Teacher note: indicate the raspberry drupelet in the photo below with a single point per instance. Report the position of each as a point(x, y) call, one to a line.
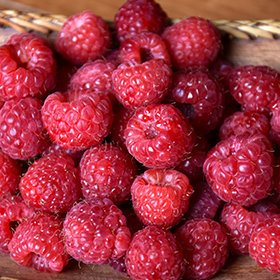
point(159, 136)
point(240, 168)
point(154, 254)
point(77, 119)
point(107, 171)
point(96, 231)
point(161, 197)
point(38, 242)
point(83, 37)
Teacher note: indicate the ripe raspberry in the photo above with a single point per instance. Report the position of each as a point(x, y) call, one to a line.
point(38, 242)
point(51, 184)
point(55, 149)
point(96, 76)
point(264, 244)
point(12, 210)
point(138, 16)
point(113, 56)
point(240, 168)
point(83, 37)
point(28, 68)
point(107, 171)
point(161, 197)
point(143, 47)
point(22, 132)
point(10, 173)
point(121, 118)
point(154, 254)
point(96, 231)
point(192, 165)
point(275, 120)
point(239, 223)
point(204, 203)
point(137, 85)
point(77, 119)
point(239, 122)
point(267, 207)
point(192, 42)
point(255, 87)
point(205, 247)
point(159, 136)
point(201, 95)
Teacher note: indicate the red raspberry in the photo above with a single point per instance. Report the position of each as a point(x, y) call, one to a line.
point(51, 184)
point(240, 168)
point(22, 132)
point(113, 57)
point(267, 207)
point(154, 254)
point(159, 136)
point(94, 75)
point(38, 242)
point(192, 42)
point(121, 118)
point(83, 37)
point(202, 95)
point(205, 247)
point(239, 122)
point(204, 203)
point(10, 173)
point(255, 87)
point(12, 209)
point(137, 85)
point(143, 47)
point(264, 244)
point(275, 120)
point(77, 119)
point(107, 171)
point(239, 223)
point(192, 165)
point(55, 149)
point(138, 16)
point(96, 231)
point(28, 68)
point(161, 197)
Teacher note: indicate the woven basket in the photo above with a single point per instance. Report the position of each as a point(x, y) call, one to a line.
point(244, 42)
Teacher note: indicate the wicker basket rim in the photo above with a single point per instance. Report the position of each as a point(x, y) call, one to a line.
point(46, 23)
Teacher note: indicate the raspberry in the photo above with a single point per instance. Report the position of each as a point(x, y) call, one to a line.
point(94, 75)
point(113, 57)
point(28, 68)
point(138, 16)
point(55, 149)
point(77, 119)
point(239, 122)
point(193, 41)
point(107, 171)
point(143, 47)
point(121, 118)
point(239, 223)
point(96, 231)
point(154, 254)
point(144, 84)
point(240, 168)
point(255, 87)
point(83, 37)
point(202, 95)
point(205, 247)
point(264, 244)
point(12, 210)
point(161, 197)
point(275, 120)
point(159, 136)
point(192, 165)
point(204, 203)
point(22, 132)
point(51, 184)
point(267, 207)
point(10, 173)
point(38, 242)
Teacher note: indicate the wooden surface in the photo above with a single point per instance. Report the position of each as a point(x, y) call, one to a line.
point(239, 52)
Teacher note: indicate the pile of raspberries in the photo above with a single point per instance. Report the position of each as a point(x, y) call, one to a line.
point(137, 146)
